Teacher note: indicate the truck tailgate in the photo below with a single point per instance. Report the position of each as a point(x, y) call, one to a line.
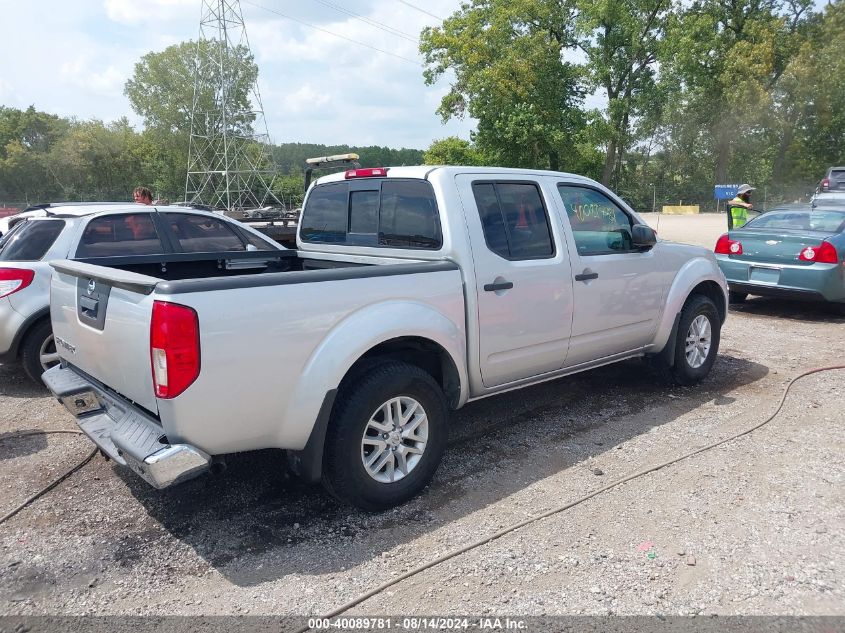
point(101, 321)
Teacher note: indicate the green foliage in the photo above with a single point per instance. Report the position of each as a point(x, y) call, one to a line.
point(507, 57)
point(453, 151)
point(162, 87)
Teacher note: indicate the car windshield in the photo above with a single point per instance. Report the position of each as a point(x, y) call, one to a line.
point(828, 221)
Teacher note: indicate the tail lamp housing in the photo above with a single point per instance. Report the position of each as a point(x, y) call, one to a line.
point(14, 279)
point(174, 348)
point(726, 246)
point(824, 253)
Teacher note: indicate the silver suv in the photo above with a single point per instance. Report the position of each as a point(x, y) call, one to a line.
point(97, 233)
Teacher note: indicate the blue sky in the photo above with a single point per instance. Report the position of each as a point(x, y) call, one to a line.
point(73, 58)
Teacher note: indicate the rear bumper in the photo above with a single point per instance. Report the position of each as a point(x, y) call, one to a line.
point(125, 433)
point(793, 294)
point(817, 282)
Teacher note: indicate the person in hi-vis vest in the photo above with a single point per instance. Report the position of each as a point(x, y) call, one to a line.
point(739, 206)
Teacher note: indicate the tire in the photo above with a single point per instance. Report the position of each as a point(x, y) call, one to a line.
point(699, 321)
point(38, 351)
point(358, 468)
point(737, 297)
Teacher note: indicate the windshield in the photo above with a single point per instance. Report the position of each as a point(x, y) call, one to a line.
point(831, 221)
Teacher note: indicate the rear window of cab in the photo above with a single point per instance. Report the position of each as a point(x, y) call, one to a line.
point(387, 213)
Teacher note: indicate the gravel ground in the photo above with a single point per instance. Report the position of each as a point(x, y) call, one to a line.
point(754, 527)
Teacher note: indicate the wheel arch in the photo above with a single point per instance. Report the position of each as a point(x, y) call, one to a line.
point(418, 334)
point(33, 321)
point(697, 276)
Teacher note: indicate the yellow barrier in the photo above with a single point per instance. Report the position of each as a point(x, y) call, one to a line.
point(680, 209)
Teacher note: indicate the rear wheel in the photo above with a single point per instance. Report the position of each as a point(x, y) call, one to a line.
point(38, 351)
point(737, 297)
point(386, 437)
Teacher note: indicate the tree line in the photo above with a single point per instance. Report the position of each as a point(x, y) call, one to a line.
point(697, 93)
point(44, 157)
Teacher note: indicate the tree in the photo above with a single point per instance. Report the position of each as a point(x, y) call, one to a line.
point(810, 103)
point(621, 40)
point(723, 58)
point(453, 151)
point(162, 87)
point(510, 74)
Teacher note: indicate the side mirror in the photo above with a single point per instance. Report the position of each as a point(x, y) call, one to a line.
point(643, 236)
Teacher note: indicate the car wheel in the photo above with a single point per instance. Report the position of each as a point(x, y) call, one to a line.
point(697, 342)
point(386, 437)
point(737, 297)
point(38, 351)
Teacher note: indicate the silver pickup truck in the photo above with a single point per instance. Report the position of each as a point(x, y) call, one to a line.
point(413, 291)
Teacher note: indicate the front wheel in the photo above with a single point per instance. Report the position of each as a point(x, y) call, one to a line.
point(386, 437)
point(697, 342)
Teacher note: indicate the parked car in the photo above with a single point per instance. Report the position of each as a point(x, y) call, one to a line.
point(833, 180)
point(95, 231)
point(263, 213)
point(791, 253)
point(414, 290)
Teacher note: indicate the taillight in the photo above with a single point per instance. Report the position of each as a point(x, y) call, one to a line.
point(727, 246)
point(174, 348)
point(14, 279)
point(824, 253)
point(825, 184)
point(373, 172)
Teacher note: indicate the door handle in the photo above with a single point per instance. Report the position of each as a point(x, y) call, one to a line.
point(502, 285)
point(585, 276)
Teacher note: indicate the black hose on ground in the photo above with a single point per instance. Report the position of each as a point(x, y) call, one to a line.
point(462, 550)
point(56, 481)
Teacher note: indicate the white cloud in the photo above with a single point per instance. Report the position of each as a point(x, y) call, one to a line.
point(134, 12)
point(80, 72)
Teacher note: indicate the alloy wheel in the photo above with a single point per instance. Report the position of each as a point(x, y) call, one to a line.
point(394, 439)
point(699, 339)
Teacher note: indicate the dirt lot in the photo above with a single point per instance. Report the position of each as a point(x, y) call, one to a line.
point(753, 527)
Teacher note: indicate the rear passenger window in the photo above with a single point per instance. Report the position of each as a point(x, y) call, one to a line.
point(203, 234)
point(514, 220)
point(598, 225)
point(393, 213)
point(30, 240)
point(116, 235)
point(409, 215)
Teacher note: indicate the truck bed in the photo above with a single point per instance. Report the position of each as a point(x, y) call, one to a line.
point(177, 266)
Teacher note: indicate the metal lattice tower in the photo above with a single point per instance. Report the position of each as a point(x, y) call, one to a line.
point(229, 161)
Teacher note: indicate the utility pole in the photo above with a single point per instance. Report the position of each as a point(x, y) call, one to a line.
point(229, 162)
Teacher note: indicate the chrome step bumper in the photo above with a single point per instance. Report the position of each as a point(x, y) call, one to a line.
point(124, 432)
